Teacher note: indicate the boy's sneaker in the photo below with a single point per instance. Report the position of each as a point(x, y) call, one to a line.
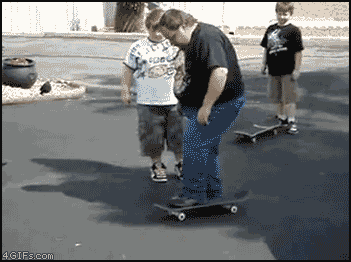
point(158, 173)
point(179, 170)
point(283, 122)
point(293, 128)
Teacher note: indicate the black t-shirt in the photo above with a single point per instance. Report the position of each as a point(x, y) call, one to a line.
point(282, 42)
point(209, 48)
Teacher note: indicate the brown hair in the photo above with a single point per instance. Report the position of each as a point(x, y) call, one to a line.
point(172, 19)
point(153, 17)
point(284, 7)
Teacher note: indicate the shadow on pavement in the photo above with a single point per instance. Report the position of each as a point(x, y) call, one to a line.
point(300, 212)
point(301, 202)
point(108, 101)
point(130, 191)
point(105, 79)
point(322, 90)
point(327, 92)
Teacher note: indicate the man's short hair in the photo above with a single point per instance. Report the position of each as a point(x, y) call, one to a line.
point(172, 19)
point(284, 7)
point(153, 17)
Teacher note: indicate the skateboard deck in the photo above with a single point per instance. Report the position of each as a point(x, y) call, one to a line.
point(255, 130)
point(180, 211)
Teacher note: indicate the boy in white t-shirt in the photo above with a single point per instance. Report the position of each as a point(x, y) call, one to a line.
point(156, 64)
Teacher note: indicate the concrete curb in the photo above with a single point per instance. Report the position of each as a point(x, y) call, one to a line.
point(79, 82)
point(77, 93)
point(89, 35)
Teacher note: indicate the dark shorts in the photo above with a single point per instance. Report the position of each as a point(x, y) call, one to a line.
point(282, 89)
point(157, 124)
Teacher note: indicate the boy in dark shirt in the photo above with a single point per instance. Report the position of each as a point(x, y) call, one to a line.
point(211, 98)
point(283, 45)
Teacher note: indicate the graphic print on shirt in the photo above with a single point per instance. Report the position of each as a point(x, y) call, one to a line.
point(157, 71)
point(141, 67)
point(276, 42)
point(155, 65)
point(152, 66)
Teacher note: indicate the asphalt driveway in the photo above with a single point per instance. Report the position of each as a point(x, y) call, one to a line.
point(75, 185)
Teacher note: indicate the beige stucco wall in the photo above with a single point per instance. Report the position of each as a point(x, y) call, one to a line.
point(31, 17)
point(335, 11)
point(37, 17)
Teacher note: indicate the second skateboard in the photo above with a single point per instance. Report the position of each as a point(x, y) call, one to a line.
point(256, 130)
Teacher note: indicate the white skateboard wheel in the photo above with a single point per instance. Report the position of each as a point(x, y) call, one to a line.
point(253, 140)
point(275, 131)
point(234, 209)
point(181, 216)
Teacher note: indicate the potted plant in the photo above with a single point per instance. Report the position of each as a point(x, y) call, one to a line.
point(19, 72)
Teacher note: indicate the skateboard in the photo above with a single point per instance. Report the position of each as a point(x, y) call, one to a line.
point(255, 130)
point(179, 212)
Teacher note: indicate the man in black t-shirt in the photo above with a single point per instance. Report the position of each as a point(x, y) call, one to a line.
point(211, 97)
point(283, 45)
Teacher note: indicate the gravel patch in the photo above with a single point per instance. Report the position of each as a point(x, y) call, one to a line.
point(60, 89)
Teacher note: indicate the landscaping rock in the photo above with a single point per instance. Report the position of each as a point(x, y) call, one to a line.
point(42, 90)
point(46, 88)
point(19, 61)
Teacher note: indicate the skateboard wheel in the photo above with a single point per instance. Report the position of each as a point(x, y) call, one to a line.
point(181, 216)
point(253, 140)
point(234, 209)
point(275, 132)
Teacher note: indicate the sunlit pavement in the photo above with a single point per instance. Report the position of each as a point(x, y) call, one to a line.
point(75, 185)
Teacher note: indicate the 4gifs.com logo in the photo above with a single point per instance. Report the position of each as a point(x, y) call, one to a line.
point(23, 255)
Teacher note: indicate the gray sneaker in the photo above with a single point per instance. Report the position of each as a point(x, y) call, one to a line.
point(283, 122)
point(293, 128)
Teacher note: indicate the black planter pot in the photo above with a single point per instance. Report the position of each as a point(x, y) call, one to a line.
point(19, 75)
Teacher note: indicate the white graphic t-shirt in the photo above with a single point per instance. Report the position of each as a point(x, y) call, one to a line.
point(154, 65)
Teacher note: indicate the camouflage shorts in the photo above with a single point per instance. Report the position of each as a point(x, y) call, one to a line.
point(157, 124)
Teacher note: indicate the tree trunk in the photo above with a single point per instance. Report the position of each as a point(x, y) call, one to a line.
point(130, 17)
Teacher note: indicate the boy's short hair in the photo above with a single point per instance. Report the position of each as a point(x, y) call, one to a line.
point(284, 7)
point(172, 19)
point(153, 17)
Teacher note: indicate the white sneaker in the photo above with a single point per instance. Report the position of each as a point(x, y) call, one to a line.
point(158, 173)
point(293, 128)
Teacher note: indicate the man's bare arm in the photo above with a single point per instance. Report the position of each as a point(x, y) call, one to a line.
point(215, 87)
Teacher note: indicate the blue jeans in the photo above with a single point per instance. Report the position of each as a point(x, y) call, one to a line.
point(201, 162)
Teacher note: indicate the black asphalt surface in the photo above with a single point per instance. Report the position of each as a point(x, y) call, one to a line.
point(75, 186)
